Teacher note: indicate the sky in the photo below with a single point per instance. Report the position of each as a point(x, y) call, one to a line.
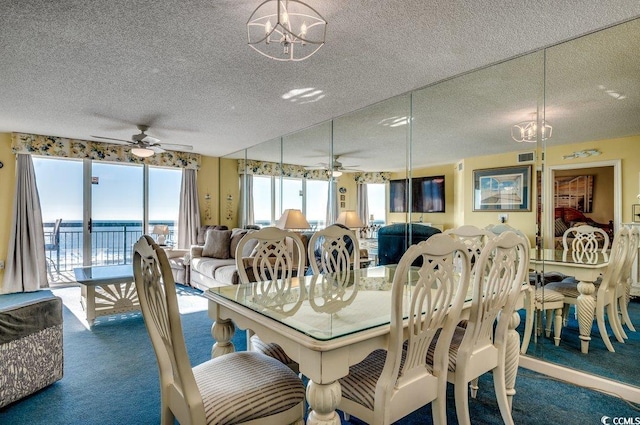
point(118, 194)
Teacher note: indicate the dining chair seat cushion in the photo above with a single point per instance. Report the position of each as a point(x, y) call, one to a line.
point(270, 349)
point(547, 295)
point(458, 334)
point(567, 288)
point(360, 385)
point(243, 386)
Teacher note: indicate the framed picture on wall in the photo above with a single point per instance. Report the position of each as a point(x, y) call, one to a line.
point(502, 189)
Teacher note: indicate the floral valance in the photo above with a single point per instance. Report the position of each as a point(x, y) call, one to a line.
point(377, 177)
point(72, 148)
point(266, 168)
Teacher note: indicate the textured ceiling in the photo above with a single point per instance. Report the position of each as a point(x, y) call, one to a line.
point(81, 68)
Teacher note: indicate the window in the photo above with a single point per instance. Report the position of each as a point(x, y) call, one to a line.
point(164, 193)
point(309, 196)
point(316, 197)
point(263, 200)
point(376, 195)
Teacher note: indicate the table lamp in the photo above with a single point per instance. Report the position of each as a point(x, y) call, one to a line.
point(350, 219)
point(161, 230)
point(292, 219)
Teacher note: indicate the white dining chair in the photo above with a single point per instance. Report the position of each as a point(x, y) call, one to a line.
point(425, 301)
point(279, 254)
point(606, 300)
point(585, 238)
point(623, 294)
point(239, 388)
point(334, 249)
point(499, 277)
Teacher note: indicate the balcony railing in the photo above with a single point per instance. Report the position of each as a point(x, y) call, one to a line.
point(111, 243)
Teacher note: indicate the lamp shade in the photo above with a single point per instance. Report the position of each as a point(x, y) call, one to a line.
point(292, 219)
point(160, 229)
point(350, 219)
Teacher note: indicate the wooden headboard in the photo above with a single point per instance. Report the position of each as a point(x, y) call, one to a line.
point(569, 215)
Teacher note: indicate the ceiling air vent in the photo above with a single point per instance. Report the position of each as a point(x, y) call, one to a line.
point(526, 157)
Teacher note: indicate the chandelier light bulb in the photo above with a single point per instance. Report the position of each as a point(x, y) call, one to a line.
point(527, 131)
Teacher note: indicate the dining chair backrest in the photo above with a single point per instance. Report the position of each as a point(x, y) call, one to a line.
point(159, 305)
point(430, 298)
point(334, 249)
point(500, 274)
point(585, 238)
point(612, 276)
point(473, 237)
point(632, 252)
point(273, 257)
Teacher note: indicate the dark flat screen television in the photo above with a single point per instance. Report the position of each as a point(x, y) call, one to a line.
point(427, 195)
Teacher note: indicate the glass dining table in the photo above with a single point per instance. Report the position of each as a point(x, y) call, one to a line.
point(586, 267)
point(324, 323)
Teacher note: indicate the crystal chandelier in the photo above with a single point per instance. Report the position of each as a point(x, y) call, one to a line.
point(526, 131)
point(286, 30)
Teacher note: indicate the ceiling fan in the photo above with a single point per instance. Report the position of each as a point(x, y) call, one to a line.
point(143, 145)
point(337, 169)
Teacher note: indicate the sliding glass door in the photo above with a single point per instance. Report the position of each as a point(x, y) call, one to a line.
point(117, 211)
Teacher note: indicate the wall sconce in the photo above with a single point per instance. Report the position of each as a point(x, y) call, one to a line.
point(582, 154)
point(207, 210)
point(229, 207)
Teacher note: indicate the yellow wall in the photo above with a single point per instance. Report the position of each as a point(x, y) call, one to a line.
point(7, 188)
point(626, 149)
point(208, 183)
point(523, 220)
point(229, 192)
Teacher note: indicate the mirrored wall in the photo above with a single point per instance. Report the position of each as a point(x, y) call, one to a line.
point(585, 93)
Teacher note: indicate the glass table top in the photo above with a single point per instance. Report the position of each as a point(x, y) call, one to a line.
point(320, 306)
point(569, 257)
point(100, 274)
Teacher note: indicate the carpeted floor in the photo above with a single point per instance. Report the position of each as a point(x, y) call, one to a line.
point(111, 377)
point(599, 361)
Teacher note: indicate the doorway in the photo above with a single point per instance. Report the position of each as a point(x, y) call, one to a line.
point(592, 189)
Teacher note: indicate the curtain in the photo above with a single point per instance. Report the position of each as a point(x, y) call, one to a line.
point(247, 215)
point(189, 214)
point(332, 203)
point(26, 269)
point(362, 205)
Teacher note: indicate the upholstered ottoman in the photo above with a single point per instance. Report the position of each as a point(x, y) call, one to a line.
point(30, 343)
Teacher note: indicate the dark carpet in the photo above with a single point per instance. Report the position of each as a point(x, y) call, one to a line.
point(111, 377)
point(618, 365)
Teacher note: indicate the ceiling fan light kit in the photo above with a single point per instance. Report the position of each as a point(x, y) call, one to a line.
point(286, 30)
point(142, 152)
point(143, 145)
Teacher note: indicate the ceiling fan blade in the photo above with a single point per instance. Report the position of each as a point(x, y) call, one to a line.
point(115, 140)
point(157, 149)
point(177, 146)
point(150, 139)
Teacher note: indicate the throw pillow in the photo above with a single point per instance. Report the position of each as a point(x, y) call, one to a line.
point(560, 227)
point(216, 244)
point(236, 235)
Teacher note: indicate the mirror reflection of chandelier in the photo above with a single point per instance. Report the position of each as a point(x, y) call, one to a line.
point(286, 30)
point(526, 131)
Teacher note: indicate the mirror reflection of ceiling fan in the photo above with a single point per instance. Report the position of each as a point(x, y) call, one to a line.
point(336, 169)
point(143, 145)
